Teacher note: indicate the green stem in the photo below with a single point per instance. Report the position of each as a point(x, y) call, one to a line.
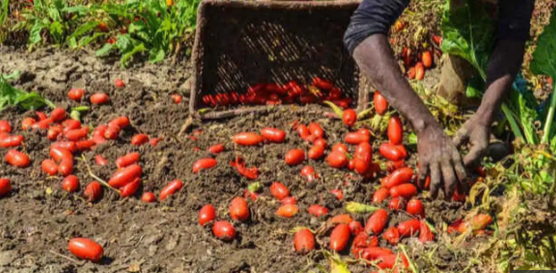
point(549, 117)
point(511, 119)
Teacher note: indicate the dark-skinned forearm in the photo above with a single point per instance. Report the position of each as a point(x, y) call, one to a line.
point(504, 64)
point(376, 60)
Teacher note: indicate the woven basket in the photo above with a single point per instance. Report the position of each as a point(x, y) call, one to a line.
point(239, 44)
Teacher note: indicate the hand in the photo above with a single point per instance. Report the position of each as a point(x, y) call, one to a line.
point(439, 158)
point(476, 133)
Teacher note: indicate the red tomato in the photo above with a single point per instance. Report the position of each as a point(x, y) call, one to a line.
point(279, 191)
point(11, 141)
point(17, 159)
point(398, 177)
point(93, 191)
point(119, 83)
point(364, 152)
point(287, 210)
point(395, 130)
point(388, 261)
point(148, 197)
point(338, 193)
point(76, 94)
point(322, 84)
point(409, 227)
point(377, 222)
point(5, 126)
point(394, 165)
point(480, 221)
point(340, 219)
point(121, 122)
point(239, 210)
point(405, 190)
point(360, 166)
point(303, 131)
point(316, 152)
point(59, 154)
point(223, 230)
point(349, 117)
point(373, 253)
point(49, 167)
point(355, 227)
point(356, 138)
point(339, 237)
point(71, 124)
point(337, 160)
point(316, 130)
point(415, 207)
point(53, 132)
point(381, 104)
point(124, 176)
point(419, 71)
point(411, 73)
point(304, 241)
point(58, 114)
point(380, 195)
point(248, 139)
point(289, 201)
point(295, 157)
point(456, 197)
point(391, 235)
point(85, 248)
point(112, 132)
point(42, 124)
point(65, 167)
point(390, 152)
point(216, 149)
point(5, 186)
point(204, 164)
point(176, 98)
point(207, 214)
point(27, 123)
point(426, 58)
point(154, 141)
point(273, 135)
point(317, 210)
point(128, 159)
point(77, 134)
point(170, 189)
point(396, 203)
point(425, 233)
point(362, 241)
point(69, 146)
point(130, 188)
point(139, 139)
point(99, 98)
point(41, 115)
point(70, 183)
point(85, 145)
point(339, 147)
point(308, 173)
point(335, 94)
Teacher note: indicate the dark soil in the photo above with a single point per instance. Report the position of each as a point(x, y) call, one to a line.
point(40, 218)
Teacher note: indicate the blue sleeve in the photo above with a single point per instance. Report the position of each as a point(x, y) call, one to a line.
point(372, 17)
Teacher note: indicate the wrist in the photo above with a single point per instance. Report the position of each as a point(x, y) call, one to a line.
point(421, 124)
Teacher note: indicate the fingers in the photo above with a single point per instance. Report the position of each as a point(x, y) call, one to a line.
point(474, 157)
point(461, 173)
point(449, 179)
point(461, 137)
point(423, 173)
point(435, 179)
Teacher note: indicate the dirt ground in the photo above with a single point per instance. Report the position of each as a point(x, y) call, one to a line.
point(40, 218)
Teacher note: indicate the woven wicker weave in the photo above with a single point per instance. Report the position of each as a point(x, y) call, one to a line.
point(239, 44)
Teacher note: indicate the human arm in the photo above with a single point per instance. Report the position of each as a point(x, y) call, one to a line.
point(437, 153)
point(505, 62)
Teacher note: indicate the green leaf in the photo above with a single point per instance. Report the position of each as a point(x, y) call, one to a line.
point(11, 96)
point(81, 10)
point(105, 50)
point(57, 31)
point(467, 32)
point(88, 39)
point(76, 112)
point(139, 48)
point(544, 62)
point(35, 33)
point(123, 43)
point(84, 28)
point(475, 88)
point(72, 42)
point(157, 55)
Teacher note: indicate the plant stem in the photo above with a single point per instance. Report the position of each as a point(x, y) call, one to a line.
point(513, 124)
point(549, 117)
